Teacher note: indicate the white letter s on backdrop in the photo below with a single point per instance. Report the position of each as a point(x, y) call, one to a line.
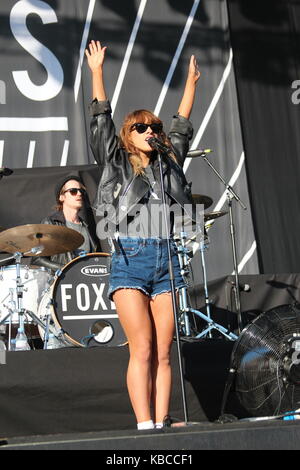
point(54, 82)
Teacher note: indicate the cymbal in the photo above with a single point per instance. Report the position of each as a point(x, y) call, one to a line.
point(54, 239)
point(214, 215)
point(201, 199)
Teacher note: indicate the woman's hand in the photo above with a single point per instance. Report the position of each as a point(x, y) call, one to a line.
point(193, 71)
point(95, 55)
point(187, 101)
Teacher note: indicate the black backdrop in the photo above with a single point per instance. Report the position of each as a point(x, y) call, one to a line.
point(266, 52)
point(45, 90)
point(27, 196)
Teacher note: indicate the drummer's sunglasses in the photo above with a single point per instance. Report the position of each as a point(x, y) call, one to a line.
point(74, 191)
point(141, 127)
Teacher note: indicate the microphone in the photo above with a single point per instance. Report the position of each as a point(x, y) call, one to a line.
point(5, 171)
point(158, 145)
point(198, 153)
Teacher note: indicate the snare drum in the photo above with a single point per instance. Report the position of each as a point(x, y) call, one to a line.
point(34, 280)
point(80, 306)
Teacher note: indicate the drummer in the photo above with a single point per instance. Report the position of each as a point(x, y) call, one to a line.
point(70, 195)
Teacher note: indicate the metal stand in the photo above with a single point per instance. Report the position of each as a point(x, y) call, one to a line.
point(47, 325)
point(19, 307)
point(173, 290)
point(236, 288)
point(184, 307)
point(231, 194)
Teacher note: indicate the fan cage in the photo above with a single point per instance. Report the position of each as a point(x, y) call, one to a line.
point(266, 365)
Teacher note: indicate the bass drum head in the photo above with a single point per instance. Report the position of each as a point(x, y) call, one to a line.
point(81, 305)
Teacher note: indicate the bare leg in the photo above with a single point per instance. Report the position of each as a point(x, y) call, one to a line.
point(133, 311)
point(163, 328)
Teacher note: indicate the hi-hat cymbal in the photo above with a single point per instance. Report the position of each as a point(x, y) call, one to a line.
point(214, 215)
point(201, 199)
point(53, 239)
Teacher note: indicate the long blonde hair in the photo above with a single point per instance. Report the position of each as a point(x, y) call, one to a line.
point(140, 115)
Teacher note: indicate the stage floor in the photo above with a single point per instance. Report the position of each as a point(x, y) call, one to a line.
point(175, 445)
point(79, 396)
point(76, 398)
point(84, 389)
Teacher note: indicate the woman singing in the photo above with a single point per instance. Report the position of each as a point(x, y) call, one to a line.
point(128, 194)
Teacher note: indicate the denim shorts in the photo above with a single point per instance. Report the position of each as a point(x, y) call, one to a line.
point(142, 263)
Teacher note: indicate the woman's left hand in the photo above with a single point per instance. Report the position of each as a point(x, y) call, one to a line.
point(194, 71)
point(95, 54)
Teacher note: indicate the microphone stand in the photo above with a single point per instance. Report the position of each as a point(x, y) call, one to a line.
point(173, 290)
point(231, 194)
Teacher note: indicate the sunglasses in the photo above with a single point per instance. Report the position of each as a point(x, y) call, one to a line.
point(74, 191)
point(141, 127)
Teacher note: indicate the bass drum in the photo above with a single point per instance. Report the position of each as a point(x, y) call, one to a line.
point(79, 303)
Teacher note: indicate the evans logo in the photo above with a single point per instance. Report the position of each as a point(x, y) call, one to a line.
point(95, 270)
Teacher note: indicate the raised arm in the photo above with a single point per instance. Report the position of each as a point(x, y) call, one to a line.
point(103, 138)
point(95, 56)
point(187, 101)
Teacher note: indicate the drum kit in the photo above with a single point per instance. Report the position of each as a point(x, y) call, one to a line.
point(64, 307)
point(71, 307)
point(184, 241)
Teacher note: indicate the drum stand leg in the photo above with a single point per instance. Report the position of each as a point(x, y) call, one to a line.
point(2, 322)
point(212, 325)
point(48, 328)
point(11, 309)
point(207, 302)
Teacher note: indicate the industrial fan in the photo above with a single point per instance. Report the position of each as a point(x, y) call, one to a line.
point(265, 362)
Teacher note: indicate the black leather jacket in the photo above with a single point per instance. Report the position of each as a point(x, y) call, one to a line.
point(59, 260)
point(119, 188)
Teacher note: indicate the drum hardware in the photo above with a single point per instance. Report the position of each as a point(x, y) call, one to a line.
point(201, 199)
point(183, 222)
point(16, 307)
point(34, 240)
point(231, 195)
point(19, 295)
point(2, 329)
point(51, 239)
point(50, 334)
point(3, 326)
point(209, 219)
point(213, 215)
point(46, 320)
point(183, 302)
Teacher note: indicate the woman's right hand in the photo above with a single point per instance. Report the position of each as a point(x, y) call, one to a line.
point(95, 55)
